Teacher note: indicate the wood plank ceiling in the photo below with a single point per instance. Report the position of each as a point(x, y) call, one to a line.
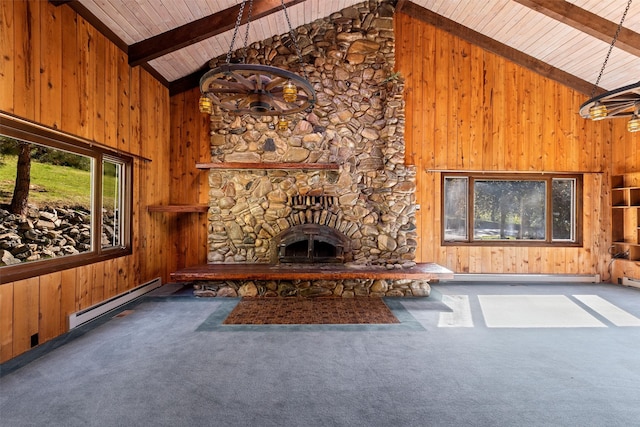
point(567, 40)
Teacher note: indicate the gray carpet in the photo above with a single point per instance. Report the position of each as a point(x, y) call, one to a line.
point(165, 364)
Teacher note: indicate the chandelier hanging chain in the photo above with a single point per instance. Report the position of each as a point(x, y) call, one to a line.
point(246, 33)
point(613, 42)
point(235, 31)
point(295, 40)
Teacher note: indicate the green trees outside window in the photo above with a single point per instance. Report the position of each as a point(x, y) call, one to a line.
point(502, 209)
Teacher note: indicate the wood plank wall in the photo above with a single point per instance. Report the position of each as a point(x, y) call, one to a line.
point(190, 144)
point(61, 72)
point(468, 109)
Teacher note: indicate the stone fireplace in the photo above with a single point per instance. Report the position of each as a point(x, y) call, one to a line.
point(361, 212)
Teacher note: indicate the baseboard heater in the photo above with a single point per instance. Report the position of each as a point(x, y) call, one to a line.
point(569, 278)
point(83, 316)
point(626, 281)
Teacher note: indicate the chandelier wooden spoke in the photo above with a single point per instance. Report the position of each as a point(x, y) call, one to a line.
point(257, 90)
point(621, 102)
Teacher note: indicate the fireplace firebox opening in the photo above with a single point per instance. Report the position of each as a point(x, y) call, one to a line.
point(312, 244)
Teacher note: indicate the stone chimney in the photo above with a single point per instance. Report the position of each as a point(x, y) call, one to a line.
point(358, 124)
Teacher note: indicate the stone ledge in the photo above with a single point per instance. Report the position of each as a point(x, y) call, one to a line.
point(348, 288)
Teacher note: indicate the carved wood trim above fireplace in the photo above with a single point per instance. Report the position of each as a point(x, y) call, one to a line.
point(311, 244)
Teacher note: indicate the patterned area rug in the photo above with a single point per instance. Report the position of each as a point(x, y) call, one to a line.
point(303, 311)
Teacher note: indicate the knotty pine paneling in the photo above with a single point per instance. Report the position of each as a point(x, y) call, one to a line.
point(7, 65)
point(26, 309)
point(59, 71)
point(50, 322)
point(468, 109)
point(51, 72)
point(154, 179)
point(6, 321)
point(190, 144)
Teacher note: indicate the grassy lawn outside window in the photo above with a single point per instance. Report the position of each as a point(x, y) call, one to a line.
point(78, 209)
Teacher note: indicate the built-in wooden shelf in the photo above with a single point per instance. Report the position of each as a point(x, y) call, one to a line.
point(178, 208)
point(625, 216)
point(274, 166)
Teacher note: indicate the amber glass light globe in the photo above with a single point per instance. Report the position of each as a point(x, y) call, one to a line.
point(633, 125)
point(283, 124)
point(289, 92)
point(598, 112)
point(205, 104)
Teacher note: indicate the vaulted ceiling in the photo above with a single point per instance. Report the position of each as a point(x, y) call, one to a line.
point(565, 40)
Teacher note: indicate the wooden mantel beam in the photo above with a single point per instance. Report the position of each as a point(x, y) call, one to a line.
point(421, 271)
point(587, 22)
point(199, 30)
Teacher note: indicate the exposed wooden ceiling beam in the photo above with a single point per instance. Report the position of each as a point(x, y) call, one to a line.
point(586, 22)
point(199, 30)
point(496, 47)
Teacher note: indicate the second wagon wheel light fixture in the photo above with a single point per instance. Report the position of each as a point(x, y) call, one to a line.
point(255, 89)
point(621, 102)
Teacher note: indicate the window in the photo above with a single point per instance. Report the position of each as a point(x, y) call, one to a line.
point(64, 201)
point(500, 209)
point(113, 202)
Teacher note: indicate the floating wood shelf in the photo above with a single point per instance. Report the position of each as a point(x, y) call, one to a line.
point(178, 208)
point(275, 166)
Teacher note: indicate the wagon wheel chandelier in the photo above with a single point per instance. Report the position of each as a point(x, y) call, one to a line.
point(621, 102)
point(255, 89)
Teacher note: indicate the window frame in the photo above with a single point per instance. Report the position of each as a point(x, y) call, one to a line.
point(27, 131)
point(124, 202)
point(547, 176)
